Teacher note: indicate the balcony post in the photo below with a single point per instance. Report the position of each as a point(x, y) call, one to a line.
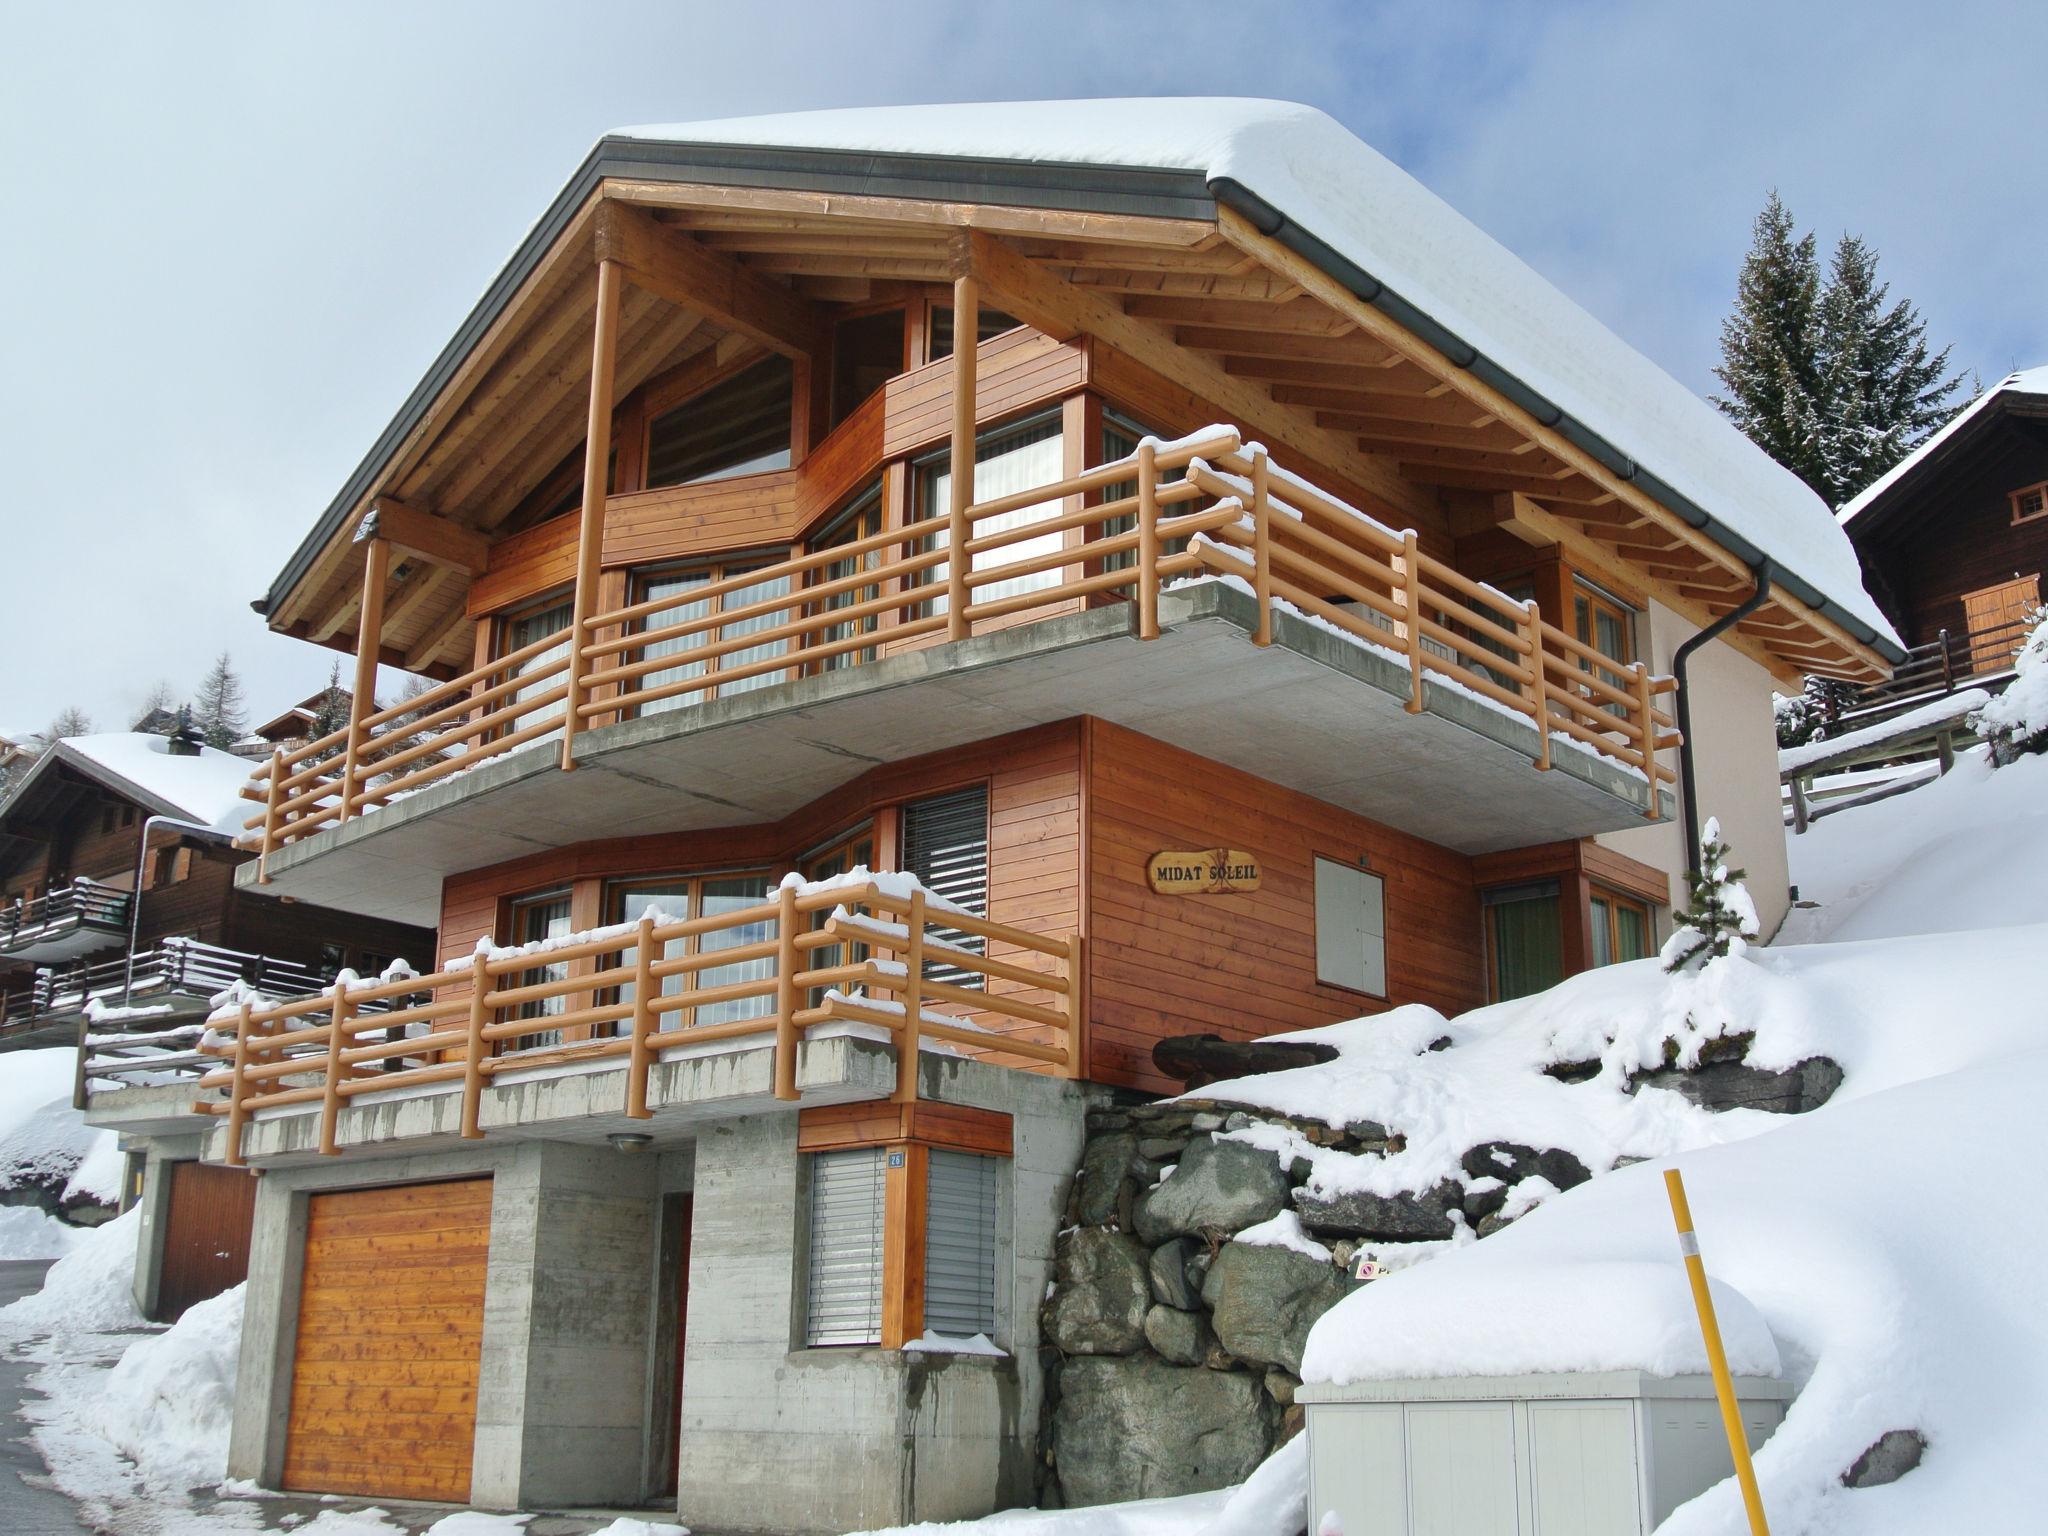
point(960, 480)
point(238, 1113)
point(1262, 546)
point(1148, 541)
point(1409, 566)
point(1646, 705)
point(597, 446)
point(330, 1097)
point(270, 814)
point(787, 998)
point(642, 1059)
point(1538, 674)
point(908, 1044)
point(369, 644)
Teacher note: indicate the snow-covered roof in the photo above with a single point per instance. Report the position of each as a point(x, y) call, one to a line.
point(1375, 215)
point(206, 789)
point(2025, 381)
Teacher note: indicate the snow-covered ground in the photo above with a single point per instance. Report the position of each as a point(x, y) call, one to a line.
point(1879, 1252)
point(43, 1141)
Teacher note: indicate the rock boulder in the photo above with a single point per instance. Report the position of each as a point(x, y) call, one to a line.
point(1218, 1188)
point(1102, 1294)
point(1140, 1429)
point(1263, 1301)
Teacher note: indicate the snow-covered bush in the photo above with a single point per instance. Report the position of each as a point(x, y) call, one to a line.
point(1721, 919)
point(2016, 722)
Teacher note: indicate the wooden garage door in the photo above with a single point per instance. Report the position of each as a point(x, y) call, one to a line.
point(391, 1312)
point(206, 1235)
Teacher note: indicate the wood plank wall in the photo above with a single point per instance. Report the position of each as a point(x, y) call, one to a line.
point(1244, 966)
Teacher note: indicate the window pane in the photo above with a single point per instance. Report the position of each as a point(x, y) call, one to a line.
point(741, 597)
point(732, 894)
point(546, 918)
point(673, 584)
point(524, 631)
point(1631, 932)
point(860, 521)
point(1528, 951)
point(739, 427)
point(669, 900)
point(945, 844)
point(1603, 932)
point(1004, 463)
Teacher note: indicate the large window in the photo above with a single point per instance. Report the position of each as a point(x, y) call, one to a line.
point(861, 519)
point(1605, 624)
point(536, 918)
point(1351, 928)
point(738, 427)
point(1008, 460)
point(1524, 940)
point(990, 322)
point(680, 583)
point(551, 616)
point(681, 898)
point(945, 844)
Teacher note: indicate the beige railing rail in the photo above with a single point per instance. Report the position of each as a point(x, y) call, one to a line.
point(1204, 505)
point(859, 949)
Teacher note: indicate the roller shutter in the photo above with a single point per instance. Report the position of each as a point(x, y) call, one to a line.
point(945, 844)
point(845, 1292)
point(960, 1245)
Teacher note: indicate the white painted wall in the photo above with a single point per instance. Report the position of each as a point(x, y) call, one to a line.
point(1735, 754)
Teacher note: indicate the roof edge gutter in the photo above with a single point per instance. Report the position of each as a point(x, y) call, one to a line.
point(1270, 221)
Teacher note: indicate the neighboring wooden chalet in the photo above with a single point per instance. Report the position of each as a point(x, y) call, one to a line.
point(927, 605)
point(1955, 538)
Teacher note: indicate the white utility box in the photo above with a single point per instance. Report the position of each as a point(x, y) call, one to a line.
point(1607, 1453)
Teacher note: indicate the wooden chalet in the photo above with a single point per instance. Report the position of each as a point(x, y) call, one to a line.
point(926, 605)
point(1955, 538)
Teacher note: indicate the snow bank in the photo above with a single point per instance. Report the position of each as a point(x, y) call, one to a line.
point(89, 1290)
point(170, 1401)
point(29, 1233)
point(42, 1138)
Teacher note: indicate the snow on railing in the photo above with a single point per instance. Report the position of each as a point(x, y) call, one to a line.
point(851, 949)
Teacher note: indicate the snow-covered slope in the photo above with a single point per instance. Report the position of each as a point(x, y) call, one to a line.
point(1375, 214)
point(44, 1142)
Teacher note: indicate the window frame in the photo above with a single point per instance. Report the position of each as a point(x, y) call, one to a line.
point(866, 513)
point(539, 1009)
point(925, 471)
point(2038, 489)
point(612, 894)
point(715, 569)
point(1616, 902)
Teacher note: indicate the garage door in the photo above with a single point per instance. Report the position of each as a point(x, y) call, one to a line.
point(206, 1235)
point(391, 1310)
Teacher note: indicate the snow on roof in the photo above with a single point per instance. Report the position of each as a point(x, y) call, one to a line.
point(206, 789)
point(2025, 381)
point(1376, 215)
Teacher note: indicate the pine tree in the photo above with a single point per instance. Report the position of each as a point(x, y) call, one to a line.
point(218, 711)
point(69, 721)
point(1882, 389)
point(1721, 919)
point(1767, 352)
point(331, 713)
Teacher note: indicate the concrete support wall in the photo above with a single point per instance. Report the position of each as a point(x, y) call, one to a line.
point(780, 1438)
point(155, 1201)
point(1735, 754)
point(564, 1356)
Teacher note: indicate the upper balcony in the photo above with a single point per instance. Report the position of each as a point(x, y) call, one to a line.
point(1194, 590)
point(65, 923)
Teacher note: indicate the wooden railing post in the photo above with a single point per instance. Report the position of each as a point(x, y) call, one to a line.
point(642, 1058)
point(908, 1044)
point(786, 999)
point(1077, 1065)
point(1948, 666)
point(1409, 563)
point(1646, 723)
point(1538, 679)
point(1802, 814)
point(330, 1096)
point(1148, 541)
point(238, 1113)
point(369, 644)
point(474, 1048)
point(597, 445)
point(1262, 547)
point(960, 485)
point(270, 815)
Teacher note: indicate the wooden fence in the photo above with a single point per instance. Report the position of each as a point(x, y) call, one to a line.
point(1205, 505)
point(858, 949)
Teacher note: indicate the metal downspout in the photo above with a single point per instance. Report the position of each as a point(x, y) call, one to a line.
point(135, 895)
point(1761, 572)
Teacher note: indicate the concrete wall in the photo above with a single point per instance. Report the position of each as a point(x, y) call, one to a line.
point(1735, 753)
point(567, 1317)
point(780, 1438)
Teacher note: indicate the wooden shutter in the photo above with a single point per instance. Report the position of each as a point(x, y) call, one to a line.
point(960, 1244)
point(945, 844)
point(845, 1291)
point(1999, 614)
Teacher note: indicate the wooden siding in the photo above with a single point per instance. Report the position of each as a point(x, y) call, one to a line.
point(1243, 966)
point(1013, 372)
point(206, 1236)
point(390, 1332)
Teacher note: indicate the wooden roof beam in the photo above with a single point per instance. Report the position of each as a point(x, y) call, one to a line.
point(1058, 307)
point(690, 274)
point(436, 540)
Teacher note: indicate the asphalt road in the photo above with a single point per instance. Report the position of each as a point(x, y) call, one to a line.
point(25, 1510)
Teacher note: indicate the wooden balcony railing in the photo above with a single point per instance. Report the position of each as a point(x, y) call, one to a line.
point(1203, 506)
point(87, 902)
point(859, 949)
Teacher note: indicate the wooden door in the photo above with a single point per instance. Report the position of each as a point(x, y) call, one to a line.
point(1996, 621)
point(206, 1236)
point(672, 1337)
point(384, 1372)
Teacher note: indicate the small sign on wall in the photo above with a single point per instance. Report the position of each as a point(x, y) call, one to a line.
point(1206, 872)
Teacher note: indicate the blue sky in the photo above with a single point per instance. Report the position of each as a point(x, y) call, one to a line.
point(231, 237)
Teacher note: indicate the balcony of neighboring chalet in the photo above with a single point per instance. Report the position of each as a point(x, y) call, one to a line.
point(64, 923)
point(1416, 606)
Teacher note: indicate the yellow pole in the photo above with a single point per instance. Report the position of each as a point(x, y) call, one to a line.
point(1717, 1357)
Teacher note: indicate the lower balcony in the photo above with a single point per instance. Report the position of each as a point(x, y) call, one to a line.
point(63, 924)
point(1235, 611)
point(819, 994)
